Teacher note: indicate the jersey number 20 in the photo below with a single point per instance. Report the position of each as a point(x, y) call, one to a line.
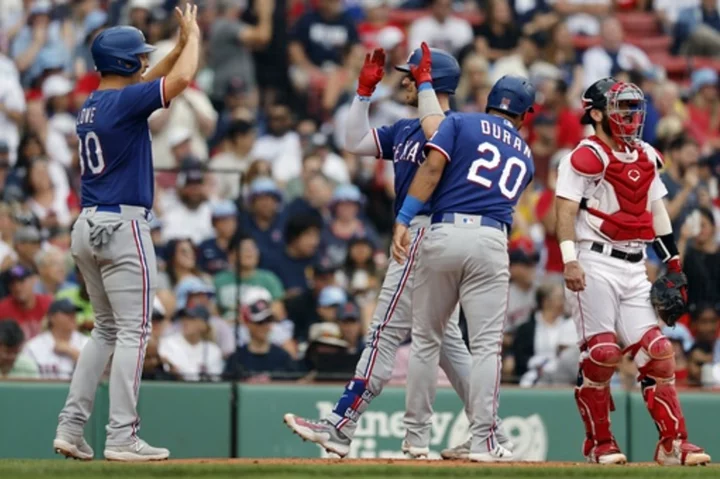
point(475, 173)
point(91, 155)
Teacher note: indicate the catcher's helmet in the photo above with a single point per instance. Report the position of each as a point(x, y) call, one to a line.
point(511, 94)
point(445, 69)
point(595, 97)
point(116, 50)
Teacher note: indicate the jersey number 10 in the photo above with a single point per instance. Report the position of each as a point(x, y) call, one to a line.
point(474, 174)
point(91, 155)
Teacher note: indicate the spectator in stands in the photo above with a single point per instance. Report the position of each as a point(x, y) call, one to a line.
point(181, 264)
point(45, 201)
point(681, 180)
point(317, 41)
point(4, 166)
point(191, 215)
point(243, 252)
point(281, 145)
point(315, 200)
point(57, 350)
point(704, 105)
point(474, 86)
point(704, 324)
point(699, 357)
point(12, 111)
point(538, 341)
point(330, 301)
point(697, 29)
point(346, 224)
point(582, 15)
point(213, 251)
point(520, 62)
point(27, 243)
point(562, 53)
point(264, 220)
point(522, 296)
point(311, 165)
point(377, 18)
point(14, 364)
point(360, 265)
point(232, 41)
point(235, 156)
point(78, 296)
point(259, 355)
point(613, 54)
point(191, 352)
point(700, 252)
point(155, 368)
point(303, 308)
point(441, 29)
point(24, 306)
point(498, 36)
point(93, 23)
point(342, 81)
point(351, 327)
point(545, 213)
point(52, 271)
point(327, 356)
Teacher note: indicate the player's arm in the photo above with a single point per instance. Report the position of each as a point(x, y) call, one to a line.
point(574, 174)
point(360, 138)
point(184, 69)
point(429, 109)
point(165, 65)
point(428, 176)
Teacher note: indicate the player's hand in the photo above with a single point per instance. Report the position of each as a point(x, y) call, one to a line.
point(188, 22)
point(372, 72)
point(574, 276)
point(422, 73)
point(400, 243)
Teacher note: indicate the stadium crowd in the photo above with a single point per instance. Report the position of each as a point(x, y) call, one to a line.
point(272, 239)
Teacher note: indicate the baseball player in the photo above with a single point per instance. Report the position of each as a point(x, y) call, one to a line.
point(403, 143)
point(609, 205)
point(111, 240)
point(477, 167)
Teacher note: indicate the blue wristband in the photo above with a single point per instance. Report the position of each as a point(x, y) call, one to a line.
point(425, 86)
point(410, 208)
point(363, 98)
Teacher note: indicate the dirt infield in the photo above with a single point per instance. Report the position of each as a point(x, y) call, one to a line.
point(380, 462)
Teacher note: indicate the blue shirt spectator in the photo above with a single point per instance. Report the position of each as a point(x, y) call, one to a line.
point(322, 34)
point(264, 220)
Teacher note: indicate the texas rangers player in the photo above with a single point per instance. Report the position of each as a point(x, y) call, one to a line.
point(476, 168)
point(402, 143)
point(111, 240)
point(609, 205)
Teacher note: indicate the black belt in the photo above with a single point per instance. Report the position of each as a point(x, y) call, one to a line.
point(616, 253)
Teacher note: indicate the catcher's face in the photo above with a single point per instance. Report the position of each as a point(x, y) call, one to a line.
point(626, 112)
point(411, 93)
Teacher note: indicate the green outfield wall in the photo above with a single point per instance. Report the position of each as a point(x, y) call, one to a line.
point(194, 420)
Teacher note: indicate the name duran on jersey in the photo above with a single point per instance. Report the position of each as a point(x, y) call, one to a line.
point(504, 135)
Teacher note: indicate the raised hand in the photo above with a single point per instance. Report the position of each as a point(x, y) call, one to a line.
point(422, 73)
point(188, 22)
point(372, 72)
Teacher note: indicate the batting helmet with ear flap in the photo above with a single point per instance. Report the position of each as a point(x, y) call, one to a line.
point(116, 50)
point(445, 69)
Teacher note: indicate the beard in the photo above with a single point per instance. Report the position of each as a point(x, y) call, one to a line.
point(605, 125)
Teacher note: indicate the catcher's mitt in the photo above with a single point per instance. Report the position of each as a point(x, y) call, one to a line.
point(668, 296)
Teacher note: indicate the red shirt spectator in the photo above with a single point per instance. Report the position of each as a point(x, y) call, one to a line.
point(702, 121)
point(545, 213)
point(24, 306)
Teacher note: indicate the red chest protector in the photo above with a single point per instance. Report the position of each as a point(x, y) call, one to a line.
point(631, 183)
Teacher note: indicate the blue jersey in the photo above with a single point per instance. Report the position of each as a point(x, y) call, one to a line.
point(403, 143)
point(115, 146)
point(489, 166)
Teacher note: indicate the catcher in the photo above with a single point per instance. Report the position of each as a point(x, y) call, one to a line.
point(609, 206)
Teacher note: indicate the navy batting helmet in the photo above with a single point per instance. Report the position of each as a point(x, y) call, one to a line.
point(116, 50)
point(511, 94)
point(445, 69)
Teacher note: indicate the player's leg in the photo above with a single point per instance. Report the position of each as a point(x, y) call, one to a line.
point(94, 356)
point(129, 279)
point(435, 295)
point(654, 357)
point(483, 296)
point(594, 311)
point(390, 327)
point(456, 361)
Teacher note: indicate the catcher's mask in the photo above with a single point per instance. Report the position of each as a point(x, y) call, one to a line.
point(625, 112)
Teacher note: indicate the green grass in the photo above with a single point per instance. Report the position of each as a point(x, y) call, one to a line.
point(12, 469)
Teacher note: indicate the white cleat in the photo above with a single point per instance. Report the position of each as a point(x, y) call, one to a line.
point(499, 454)
point(75, 448)
point(680, 453)
point(412, 452)
point(461, 452)
point(321, 433)
point(139, 451)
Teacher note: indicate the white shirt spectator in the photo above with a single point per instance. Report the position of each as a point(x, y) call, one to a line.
point(181, 114)
point(227, 185)
point(583, 22)
point(284, 153)
point(598, 63)
point(520, 305)
point(12, 98)
point(509, 65)
point(192, 360)
point(41, 349)
point(450, 35)
point(179, 221)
